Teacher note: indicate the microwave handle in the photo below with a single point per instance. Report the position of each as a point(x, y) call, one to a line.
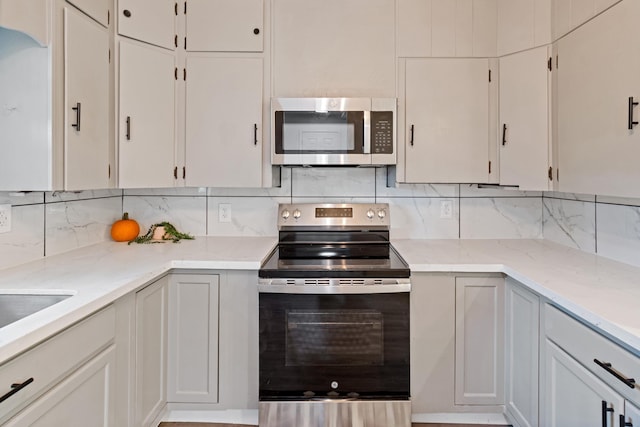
point(366, 145)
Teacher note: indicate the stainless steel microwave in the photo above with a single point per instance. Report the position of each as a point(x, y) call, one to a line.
point(333, 131)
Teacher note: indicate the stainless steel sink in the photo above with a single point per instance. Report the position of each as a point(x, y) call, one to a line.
point(14, 307)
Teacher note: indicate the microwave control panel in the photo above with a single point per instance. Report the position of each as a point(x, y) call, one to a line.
point(381, 132)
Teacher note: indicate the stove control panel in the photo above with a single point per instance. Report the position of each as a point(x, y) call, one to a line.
point(334, 215)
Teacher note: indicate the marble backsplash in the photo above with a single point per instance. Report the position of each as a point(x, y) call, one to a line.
point(45, 224)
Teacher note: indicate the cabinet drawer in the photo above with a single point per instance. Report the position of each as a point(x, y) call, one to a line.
point(46, 364)
point(586, 346)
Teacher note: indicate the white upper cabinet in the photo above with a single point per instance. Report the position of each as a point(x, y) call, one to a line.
point(523, 24)
point(223, 121)
point(86, 118)
point(146, 124)
point(42, 88)
point(224, 25)
point(97, 9)
point(333, 48)
point(446, 124)
point(524, 120)
point(459, 28)
point(150, 21)
point(598, 69)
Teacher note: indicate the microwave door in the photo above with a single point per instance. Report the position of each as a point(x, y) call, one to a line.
point(322, 137)
point(366, 146)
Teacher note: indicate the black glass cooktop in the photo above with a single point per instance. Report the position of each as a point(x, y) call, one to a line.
point(334, 255)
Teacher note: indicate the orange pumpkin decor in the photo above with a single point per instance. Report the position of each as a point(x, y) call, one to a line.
point(125, 229)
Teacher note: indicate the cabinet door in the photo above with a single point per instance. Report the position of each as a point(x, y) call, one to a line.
point(86, 128)
point(223, 122)
point(193, 338)
point(97, 9)
point(573, 396)
point(479, 371)
point(631, 415)
point(524, 119)
point(598, 69)
point(84, 398)
point(151, 350)
point(432, 327)
point(447, 124)
point(147, 116)
point(225, 25)
point(521, 362)
point(150, 21)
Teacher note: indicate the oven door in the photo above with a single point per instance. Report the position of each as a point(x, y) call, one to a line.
point(334, 346)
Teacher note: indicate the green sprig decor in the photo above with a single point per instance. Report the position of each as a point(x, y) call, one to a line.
point(170, 234)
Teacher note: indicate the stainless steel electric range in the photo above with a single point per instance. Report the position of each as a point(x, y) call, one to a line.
point(334, 320)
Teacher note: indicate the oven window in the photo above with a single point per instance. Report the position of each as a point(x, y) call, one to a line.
point(334, 338)
point(310, 132)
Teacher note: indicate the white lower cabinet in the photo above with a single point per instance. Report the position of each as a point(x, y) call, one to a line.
point(573, 396)
point(522, 320)
point(522, 355)
point(69, 379)
point(479, 339)
point(457, 330)
point(193, 338)
point(150, 351)
point(85, 398)
point(631, 415)
point(172, 336)
point(583, 376)
point(432, 329)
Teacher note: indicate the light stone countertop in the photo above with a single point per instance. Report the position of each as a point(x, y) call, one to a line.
point(100, 274)
point(602, 292)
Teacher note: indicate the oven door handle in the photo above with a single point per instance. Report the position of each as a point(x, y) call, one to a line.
point(276, 288)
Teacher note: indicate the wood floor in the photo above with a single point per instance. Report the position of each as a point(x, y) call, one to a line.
point(245, 425)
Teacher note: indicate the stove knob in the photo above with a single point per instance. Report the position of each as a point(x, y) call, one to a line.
point(296, 214)
point(370, 213)
point(382, 213)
